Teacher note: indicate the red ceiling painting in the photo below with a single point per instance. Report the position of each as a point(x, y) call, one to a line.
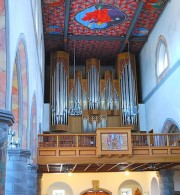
point(88, 20)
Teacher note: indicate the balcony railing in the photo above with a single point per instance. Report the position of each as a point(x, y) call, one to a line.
point(89, 140)
point(67, 140)
point(156, 140)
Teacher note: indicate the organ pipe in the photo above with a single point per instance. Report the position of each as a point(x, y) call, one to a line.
point(128, 89)
point(114, 95)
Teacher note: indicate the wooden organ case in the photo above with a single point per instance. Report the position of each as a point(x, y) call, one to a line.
point(80, 105)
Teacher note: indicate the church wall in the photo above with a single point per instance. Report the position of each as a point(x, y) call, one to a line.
point(2, 55)
point(23, 24)
point(162, 99)
point(79, 182)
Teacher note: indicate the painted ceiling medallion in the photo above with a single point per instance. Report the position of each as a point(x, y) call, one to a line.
point(53, 29)
point(154, 4)
point(53, 3)
point(141, 31)
point(100, 17)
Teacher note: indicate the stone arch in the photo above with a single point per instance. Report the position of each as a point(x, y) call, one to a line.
point(32, 141)
point(19, 91)
point(170, 126)
point(59, 186)
point(23, 64)
point(154, 186)
point(16, 99)
point(130, 184)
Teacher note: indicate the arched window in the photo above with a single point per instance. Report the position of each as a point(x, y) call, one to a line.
point(162, 58)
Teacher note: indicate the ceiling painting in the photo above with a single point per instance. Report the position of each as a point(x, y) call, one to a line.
point(100, 17)
point(154, 4)
point(101, 28)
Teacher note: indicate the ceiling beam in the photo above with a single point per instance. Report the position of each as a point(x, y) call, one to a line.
point(91, 38)
point(133, 23)
point(66, 22)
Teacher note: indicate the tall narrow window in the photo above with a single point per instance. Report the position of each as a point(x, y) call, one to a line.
point(162, 59)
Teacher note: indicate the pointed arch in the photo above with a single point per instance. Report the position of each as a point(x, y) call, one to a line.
point(19, 98)
point(2, 55)
point(16, 99)
point(33, 130)
point(154, 186)
point(170, 126)
point(23, 65)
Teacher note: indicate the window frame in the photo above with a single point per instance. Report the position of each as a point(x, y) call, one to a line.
point(162, 55)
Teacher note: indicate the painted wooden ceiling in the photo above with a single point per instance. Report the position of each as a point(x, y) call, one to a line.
point(98, 28)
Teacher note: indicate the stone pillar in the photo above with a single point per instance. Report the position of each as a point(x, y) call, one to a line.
point(32, 179)
point(16, 171)
point(166, 182)
point(6, 120)
point(39, 183)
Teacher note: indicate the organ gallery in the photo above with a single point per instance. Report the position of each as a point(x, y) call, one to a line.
point(94, 96)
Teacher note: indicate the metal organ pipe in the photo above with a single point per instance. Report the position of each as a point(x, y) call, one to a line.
point(59, 85)
point(109, 95)
point(128, 96)
point(93, 88)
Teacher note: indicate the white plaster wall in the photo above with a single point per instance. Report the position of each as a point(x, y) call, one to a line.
point(20, 23)
point(164, 102)
point(79, 182)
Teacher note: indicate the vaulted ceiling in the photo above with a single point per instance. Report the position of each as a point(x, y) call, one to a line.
point(98, 28)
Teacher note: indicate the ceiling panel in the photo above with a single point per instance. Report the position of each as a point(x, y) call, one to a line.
point(126, 19)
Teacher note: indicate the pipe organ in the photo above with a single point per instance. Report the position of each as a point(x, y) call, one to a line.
point(127, 77)
point(98, 100)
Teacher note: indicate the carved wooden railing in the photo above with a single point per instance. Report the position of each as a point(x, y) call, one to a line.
point(67, 140)
point(156, 140)
point(139, 147)
point(89, 140)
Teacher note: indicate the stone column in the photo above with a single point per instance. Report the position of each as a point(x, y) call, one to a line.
point(166, 182)
point(16, 171)
point(32, 179)
point(6, 120)
point(39, 183)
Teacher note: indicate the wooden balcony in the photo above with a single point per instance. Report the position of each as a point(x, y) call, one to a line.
point(134, 148)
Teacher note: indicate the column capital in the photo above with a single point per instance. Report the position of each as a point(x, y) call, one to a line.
point(16, 154)
point(32, 167)
point(6, 117)
point(6, 120)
